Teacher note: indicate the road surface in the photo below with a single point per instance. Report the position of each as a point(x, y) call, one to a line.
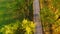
point(36, 13)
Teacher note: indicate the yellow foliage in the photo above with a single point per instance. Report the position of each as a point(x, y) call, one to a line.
point(56, 16)
point(24, 21)
point(29, 26)
point(56, 11)
point(32, 24)
point(28, 29)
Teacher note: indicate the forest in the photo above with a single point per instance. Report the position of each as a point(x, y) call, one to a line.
point(17, 16)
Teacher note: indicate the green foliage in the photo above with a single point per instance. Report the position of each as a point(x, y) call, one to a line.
point(12, 12)
point(17, 27)
point(47, 15)
point(50, 16)
point(10, 28)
